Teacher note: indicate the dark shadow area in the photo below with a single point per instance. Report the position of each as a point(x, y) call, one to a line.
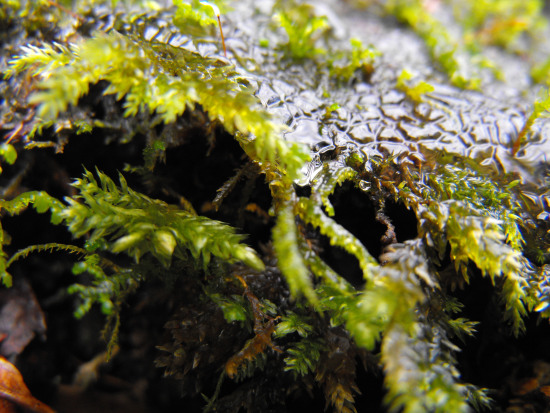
point(356, 213)
point(371, 399)
point(199, 181)
point(344, 263)
point(303, 191)
point(247, 208)
point(246, 201)
point(90, 151)
point(403, 219)
point(510, 367)
point(223, 170)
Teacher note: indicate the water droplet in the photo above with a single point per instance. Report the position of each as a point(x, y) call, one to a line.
point(364, 185)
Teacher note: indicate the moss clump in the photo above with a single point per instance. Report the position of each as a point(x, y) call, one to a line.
point(305, 115)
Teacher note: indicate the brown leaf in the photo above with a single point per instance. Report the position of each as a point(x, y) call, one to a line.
point(20, 318)
point(252, 349)
point(6, 406)
point(526, 385)
point(545, 390)
point(263, 330)
point(13, 390)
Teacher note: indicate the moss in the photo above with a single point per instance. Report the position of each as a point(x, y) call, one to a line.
point(312, 114)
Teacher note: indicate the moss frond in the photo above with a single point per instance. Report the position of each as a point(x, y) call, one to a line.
point(50, 247)
point(193, 17)
point(176, 81)
point(5, 276)
point(303, 356)
point(541, 108)
point(329, 178)
point(414, 92)
point(307, 32)
point(291, 263)
point(293, 323)
point(499, 23)
point(42, 202)
point(539, 290)
point(394, 295)
point(313, 214)
point(478, 221)
point(8, 154)
point(482, 241)
point(420, 375)
point(361, 58)
point(39, 200)
point(444, 48)
point(106, 290)
point(136, 225)
point(303, 28)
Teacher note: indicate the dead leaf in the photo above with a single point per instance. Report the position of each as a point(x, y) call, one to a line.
point(545, 390)
point(13, 391)
point(6, 406)
point(21, 318)
point(526, 385)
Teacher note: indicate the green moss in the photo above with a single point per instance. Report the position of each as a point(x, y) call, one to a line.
point(415, 92)
point(303, 28)
point(540, 109)
point(160, 85)
point(446, 49)
point(309, 38)
point(499, 22)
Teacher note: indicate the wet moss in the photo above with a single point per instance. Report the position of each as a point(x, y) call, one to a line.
point(373, 186)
